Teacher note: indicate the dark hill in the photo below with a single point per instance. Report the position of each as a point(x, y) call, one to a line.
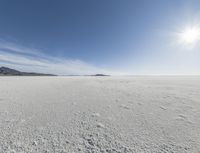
point(5, 71)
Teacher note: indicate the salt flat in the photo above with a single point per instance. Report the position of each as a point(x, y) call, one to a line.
point(100, 114)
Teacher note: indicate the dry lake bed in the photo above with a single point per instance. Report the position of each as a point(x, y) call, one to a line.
point(100, 114)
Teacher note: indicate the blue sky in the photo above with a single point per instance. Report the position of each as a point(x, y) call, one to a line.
point(107, 36)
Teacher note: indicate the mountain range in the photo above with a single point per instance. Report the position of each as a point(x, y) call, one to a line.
point(5, 71)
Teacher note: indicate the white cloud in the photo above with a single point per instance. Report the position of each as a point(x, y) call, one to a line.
point(32, 60)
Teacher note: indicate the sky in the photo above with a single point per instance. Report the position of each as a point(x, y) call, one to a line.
point(117, 37)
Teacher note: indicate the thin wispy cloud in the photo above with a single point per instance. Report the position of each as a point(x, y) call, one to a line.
point(33, 60)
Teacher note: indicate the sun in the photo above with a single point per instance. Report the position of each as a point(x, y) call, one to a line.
point(190, 35)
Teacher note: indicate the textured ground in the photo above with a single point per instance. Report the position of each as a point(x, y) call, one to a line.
point(99, 114)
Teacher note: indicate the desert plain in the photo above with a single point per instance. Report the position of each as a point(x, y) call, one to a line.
point(83, 114)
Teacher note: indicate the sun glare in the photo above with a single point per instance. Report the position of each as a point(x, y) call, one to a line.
point(190, 35)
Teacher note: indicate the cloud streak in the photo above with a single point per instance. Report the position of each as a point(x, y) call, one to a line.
point(32, 60)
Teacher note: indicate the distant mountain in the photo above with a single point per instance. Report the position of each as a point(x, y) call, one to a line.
point(100, 75)
point(5, 71)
